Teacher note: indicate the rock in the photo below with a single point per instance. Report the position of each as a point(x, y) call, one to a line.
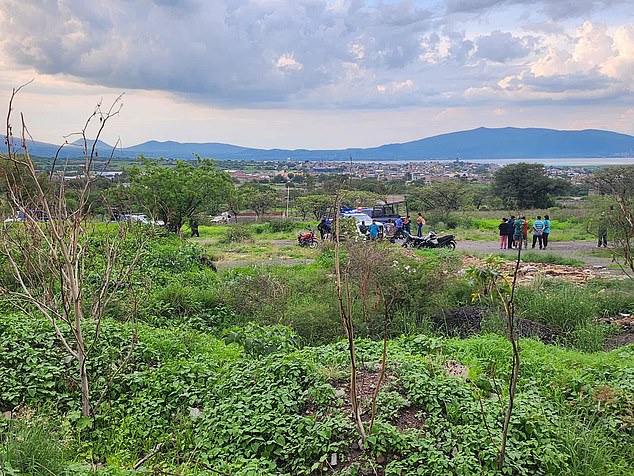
point(380, 459)
point(456, 369)
point(340, 393)
point(7, 415)
point(195, 413)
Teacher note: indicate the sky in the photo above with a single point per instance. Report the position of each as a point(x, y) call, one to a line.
point(317, 73)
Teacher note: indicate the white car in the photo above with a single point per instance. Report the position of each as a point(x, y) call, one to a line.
point(222, 218)
point(141, 218)
point(363, 218)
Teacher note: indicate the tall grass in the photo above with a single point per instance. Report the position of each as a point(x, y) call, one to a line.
point(31, 450)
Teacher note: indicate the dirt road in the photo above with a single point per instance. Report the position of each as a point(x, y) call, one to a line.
point(585, 251)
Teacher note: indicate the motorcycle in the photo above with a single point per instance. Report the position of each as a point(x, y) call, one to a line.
point(307, 239)
point(431, 240)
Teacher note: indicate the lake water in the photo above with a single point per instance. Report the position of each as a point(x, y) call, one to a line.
point(565, 162)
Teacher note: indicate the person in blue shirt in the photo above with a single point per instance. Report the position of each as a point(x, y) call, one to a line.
point(538, 230)
point(374, 230)
point(399, 227)
point(546, 231)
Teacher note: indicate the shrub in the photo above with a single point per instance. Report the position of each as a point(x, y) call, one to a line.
point(281, 226)
point(237, 234)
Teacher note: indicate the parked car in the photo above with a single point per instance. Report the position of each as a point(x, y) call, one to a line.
point(141, 218)
point(222, 218)
point(363, 218)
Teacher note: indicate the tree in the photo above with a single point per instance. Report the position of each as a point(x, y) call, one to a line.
point(617, 183)
point(47, 257)
point(357, 198)
point(235, 201)
point(526, 186)
point(442, 197)
point(175, 194)
point(317, 205)
point(260, 199)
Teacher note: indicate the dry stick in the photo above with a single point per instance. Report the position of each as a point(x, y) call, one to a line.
point(140, 463)
point(509, 308)
point(386, 320)
point(346, 321)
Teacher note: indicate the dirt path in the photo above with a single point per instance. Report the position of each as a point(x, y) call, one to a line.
point(580, 250)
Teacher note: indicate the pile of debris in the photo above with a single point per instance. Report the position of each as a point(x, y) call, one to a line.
point(625, 322)
point(529, 271)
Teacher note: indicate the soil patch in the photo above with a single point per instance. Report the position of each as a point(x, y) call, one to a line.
point(407, 419)
point(460, 322)
point(619, 340)
point(543, 332)
point(466, 321)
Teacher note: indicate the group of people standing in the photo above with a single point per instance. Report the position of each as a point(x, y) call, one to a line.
point(514, 232)
point(402, 226)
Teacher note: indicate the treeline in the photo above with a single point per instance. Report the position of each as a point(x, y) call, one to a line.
point(194, 190)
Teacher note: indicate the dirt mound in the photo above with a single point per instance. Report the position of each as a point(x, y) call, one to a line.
point(460, 322)
point(466, 321)
point(625, 323)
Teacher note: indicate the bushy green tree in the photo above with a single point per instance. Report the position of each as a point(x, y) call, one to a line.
point(259, 198)
point(441, 197)
point(315, 205)
point(175, 194)
point(527, 186)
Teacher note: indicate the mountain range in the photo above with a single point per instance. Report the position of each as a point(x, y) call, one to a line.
point(481, 143)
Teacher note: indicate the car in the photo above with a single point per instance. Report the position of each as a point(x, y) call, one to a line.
point(363, 218)
point(222, 218)
point(141, 218)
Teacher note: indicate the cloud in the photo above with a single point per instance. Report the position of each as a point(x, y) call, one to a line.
point(501, 47)
point(553, 9)
point(232, 51)
point(320, 54)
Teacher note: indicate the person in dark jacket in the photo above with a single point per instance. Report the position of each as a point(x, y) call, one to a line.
point(511, 231)
point(323, 228)
point(193, 225)
point(504, 233)
point(603, 231)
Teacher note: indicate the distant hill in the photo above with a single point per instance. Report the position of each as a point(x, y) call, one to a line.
point(481, 143)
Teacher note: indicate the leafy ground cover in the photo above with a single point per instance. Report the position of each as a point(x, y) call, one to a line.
point(261, 405)
point(244, 372)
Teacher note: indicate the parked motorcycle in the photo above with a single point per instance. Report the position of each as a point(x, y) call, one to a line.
point(307, 239)
point(431, 240)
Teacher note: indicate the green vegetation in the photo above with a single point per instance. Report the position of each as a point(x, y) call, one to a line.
point(129, 350)
point(242, 372)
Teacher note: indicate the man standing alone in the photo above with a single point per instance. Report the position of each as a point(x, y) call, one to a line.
point(603, 231)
